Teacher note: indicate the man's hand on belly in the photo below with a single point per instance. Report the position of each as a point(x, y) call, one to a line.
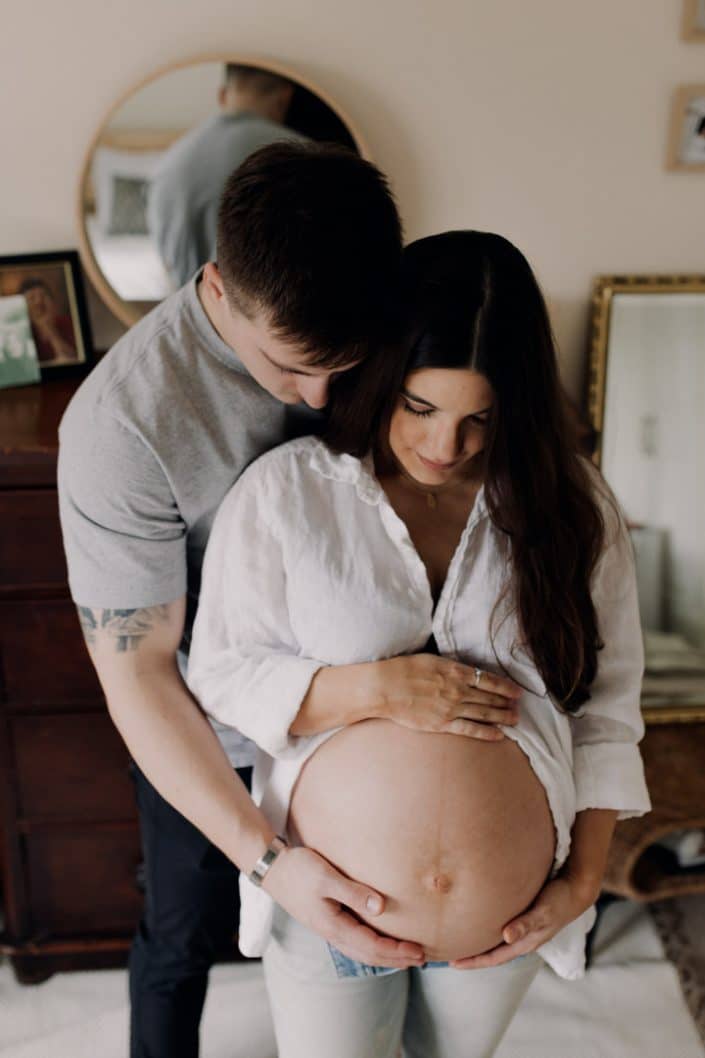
point(310, 889)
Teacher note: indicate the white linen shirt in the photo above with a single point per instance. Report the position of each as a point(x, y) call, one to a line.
point(309, 565)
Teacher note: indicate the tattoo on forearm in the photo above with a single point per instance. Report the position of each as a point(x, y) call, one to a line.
point(88, 624)
point(126, 628)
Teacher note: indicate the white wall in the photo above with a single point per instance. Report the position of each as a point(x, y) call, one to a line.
point(177, 100)
point(545, 121)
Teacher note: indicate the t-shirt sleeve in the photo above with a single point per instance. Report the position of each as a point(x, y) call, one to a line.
point(124, 538)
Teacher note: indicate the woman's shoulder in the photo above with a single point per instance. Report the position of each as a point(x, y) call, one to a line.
point(307, 457)
point(290, 471)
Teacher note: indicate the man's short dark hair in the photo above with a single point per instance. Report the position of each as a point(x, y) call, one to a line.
point(309, 235)
point(256, 78)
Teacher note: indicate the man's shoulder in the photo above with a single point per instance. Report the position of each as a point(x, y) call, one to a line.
point(142, 366)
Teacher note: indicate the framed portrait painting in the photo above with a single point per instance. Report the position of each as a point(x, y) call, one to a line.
point(44, 294)
point(686, 140)
point(694, 19)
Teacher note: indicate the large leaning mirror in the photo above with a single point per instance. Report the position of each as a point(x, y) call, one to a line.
point(646, 397)
point(153, 174)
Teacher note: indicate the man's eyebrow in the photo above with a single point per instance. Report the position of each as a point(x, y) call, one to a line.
point(422, 400)
point(283, 367)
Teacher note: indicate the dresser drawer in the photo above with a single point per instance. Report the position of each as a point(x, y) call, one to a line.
point(83, 881)
point(43, 659)
point(71, 767)
point(31, 553)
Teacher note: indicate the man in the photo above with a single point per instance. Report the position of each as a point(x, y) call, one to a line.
point(308, 248)
point(186, 189)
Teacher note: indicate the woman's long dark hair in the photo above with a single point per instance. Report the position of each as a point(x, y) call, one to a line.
point(470, 300)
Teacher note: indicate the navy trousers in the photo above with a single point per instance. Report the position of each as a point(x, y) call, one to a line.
point(190, 918)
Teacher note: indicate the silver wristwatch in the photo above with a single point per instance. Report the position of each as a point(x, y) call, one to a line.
point(266, 860)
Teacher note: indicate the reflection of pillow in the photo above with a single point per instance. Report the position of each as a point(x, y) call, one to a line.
point(129, 212)
point(108, 166)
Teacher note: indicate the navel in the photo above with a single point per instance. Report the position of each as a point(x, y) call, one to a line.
point(439, 883)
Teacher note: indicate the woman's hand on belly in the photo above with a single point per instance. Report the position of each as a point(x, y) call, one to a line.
point(560, 902)
point(422, 692)
point(436, 694)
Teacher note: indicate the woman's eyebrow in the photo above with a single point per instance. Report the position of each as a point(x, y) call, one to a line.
point(417, 400)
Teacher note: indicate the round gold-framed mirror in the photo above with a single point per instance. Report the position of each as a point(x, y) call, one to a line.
point(153, 172)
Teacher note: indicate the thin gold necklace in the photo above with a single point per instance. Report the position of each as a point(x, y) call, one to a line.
point(429, 491)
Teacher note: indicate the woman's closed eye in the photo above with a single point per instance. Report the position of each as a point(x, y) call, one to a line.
point(474, 420)
point(423, 412)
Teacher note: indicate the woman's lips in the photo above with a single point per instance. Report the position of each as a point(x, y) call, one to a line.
point(438, 467)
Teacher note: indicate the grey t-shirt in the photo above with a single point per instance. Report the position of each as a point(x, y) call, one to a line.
point(185, 193)
point(148, 447)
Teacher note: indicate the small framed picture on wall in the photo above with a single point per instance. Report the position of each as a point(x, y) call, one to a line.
point(686, 138)
point(43, 317)
point(694, 19)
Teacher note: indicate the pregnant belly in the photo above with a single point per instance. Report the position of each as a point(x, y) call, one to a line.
point(456, 833)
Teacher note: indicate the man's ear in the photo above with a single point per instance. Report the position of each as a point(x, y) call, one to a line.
point(213, 280)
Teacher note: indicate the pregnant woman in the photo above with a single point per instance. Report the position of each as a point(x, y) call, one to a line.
point(454, 518)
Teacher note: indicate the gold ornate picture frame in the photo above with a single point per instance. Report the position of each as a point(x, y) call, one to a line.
point(693, 20)
point(605, 288)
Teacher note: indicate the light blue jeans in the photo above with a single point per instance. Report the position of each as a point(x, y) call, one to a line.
point(325, 1005)
point(346, 967)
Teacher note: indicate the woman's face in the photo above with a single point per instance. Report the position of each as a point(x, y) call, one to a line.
point(438, 423)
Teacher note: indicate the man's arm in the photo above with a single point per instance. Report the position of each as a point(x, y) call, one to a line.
point(134, 653)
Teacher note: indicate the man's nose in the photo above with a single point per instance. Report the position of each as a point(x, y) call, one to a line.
point(314, 391)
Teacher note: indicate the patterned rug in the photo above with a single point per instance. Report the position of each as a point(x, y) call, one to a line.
point(680, 923)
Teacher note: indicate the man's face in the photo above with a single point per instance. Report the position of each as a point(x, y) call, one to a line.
point(280, 366)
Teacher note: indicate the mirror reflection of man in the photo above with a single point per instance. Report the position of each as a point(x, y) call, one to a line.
point(186, 189)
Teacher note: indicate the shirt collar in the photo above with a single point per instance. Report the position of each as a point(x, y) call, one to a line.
point(205, 329)
point(361, 474)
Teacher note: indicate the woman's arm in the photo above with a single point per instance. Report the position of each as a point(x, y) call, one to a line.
point(590, 843)
point(245, 666)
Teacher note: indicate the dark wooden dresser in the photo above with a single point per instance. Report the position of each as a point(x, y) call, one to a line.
point(70, 840)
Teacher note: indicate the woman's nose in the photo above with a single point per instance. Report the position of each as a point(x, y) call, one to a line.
point(446, 445)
